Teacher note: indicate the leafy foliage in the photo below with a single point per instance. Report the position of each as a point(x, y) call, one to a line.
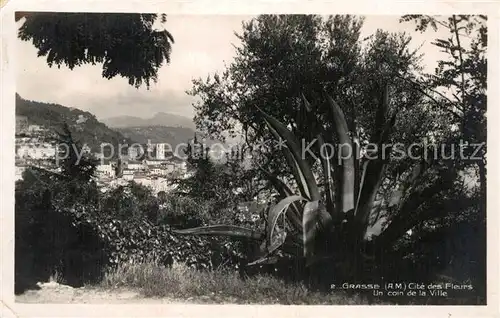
point(131, 202)
point(125, 43)
point(221, 185)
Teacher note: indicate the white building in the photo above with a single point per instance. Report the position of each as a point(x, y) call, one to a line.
point(106, 170)
point(160, 151)
point(37, 151)
point(133, 153)
point(35, 128)
point(135, 166)
point(128, 175)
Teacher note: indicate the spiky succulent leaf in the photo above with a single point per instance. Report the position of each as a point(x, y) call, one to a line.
point(276, 211)
point(346, 153)
point(222, 230)
point(297, 174)
point(278, 240)
point(416, 172)
point(294, 167)
point(264, 260)
point(327, 172)
point(373, 174)
point(293, 144)
point(295, 214)
point(326, 160)
point(306, 103)
point(310, 224)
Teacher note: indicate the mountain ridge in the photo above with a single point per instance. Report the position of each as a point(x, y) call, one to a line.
point(159, 119)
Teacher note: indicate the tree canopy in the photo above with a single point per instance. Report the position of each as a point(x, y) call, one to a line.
point(127, 44)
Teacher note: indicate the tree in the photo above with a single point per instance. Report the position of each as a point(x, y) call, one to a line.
point(125, 43)
point(220, 183)
point(463, 78)
point(302, 78)
point(458, 87)
point(76, 163)
point(131, 202)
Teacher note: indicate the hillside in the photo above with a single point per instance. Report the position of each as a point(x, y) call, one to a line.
point(84, 125)
point(160, 119)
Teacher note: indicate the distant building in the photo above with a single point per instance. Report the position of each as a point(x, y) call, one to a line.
point(21, 124)
point(160, 151)
point(35, 128)
point(128, 175)
point(133, 153)
point(106, 170)
point(36, 151)
point(136, 165)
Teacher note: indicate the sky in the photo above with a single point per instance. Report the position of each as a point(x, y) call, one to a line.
point(203, 45)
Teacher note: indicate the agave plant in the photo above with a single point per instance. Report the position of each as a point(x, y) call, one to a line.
point(326, 220)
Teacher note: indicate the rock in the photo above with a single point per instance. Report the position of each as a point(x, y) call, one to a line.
point(53, 285)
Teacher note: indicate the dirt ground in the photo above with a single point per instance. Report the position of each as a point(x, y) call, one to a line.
point(54, 293)
point(63, 294)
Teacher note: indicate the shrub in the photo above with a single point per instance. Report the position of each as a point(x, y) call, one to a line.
point(57, 230)
point(183, 211)
point(48, 239)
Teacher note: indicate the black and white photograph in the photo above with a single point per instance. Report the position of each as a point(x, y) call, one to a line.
point(267, 159)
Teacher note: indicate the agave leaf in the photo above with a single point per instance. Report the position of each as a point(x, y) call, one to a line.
point(292, 163)
point(293, 145)
point(278, 240)
point(373, 174)
point(276, 211)
point(264, 260)
point(310, 224)
point(325, 160)
point(306, 103)
point(294, 215)
point(348, 173)
point(297, 174)
point(327, 172)
point(222, 230)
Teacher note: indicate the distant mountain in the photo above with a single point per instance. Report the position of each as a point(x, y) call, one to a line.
point(162, 134)
point(84, 125)
point(158, 134)
point(160, 119)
